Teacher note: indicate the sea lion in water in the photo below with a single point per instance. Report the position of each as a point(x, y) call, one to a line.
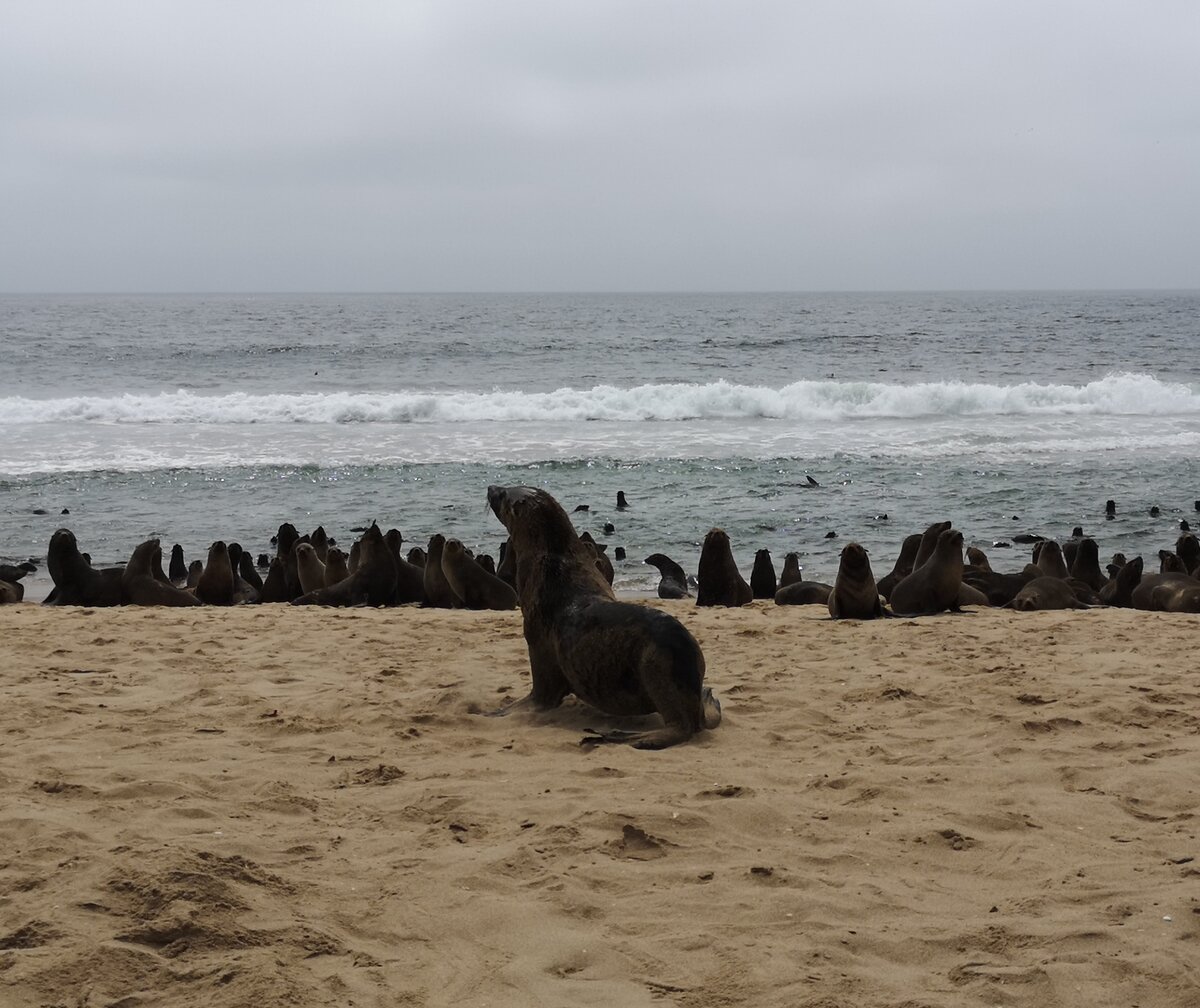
point(904, 565)
point(310, 568)
point(438, 593)
point(763, 583)
point(142, 588)
point(1045, 593)
point(721, 583)
point(217, 584)
point(619, 657)
point(673, 581)
point(934, 586)
point(477, 588)
point(854, 594)
point(791, 572)
point(77, 582)
point(373, 583)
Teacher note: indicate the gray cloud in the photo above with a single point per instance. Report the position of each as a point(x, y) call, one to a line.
point(418, 146)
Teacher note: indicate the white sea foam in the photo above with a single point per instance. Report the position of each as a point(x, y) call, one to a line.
point(1115, 395)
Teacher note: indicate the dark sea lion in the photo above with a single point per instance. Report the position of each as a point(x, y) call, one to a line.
point(373, 583)
point(1049, 560)
point(1169, 563)
point(763, 583)
point(1086, 565)
point(854, 595)
point(934, 586)
point(1187, 548)
point(142, 588)
point(12, 573)
point(672, 581)
point(11, 591)
point(619, 657)
point(622, 503)
point(1119, 591)
point(77, 582)
point(1045, 593)
point(602, 562)
point(352, 559)
point(804, 593)
point(791, 572)
point(999, 589)
point(249, 573)
point(320, 542)
point(416, 557)
point(485, 561)
point(438, 593)
point(1069, 548)
point(309, 568)
point(507, 569)
point(904, 564)
point(195, 569)
point(217, 584)
point(721, 583)
point(177, 569)
point(335, 567)
point(929, 541)
point(275, 587)
point(978, 559)
point(477, 588)
point(1178, 593)
point(1110, 509)
point(410, 579)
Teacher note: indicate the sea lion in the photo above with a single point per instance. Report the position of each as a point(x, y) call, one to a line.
point(310, 568)
point(619, 657)
point(217, 585)
point(1169, 563)
point(1187, 548)
point(804, 593)
point(1086, 565)
point(602, 562)
point(934, 586)
point(622, 503)
point(140, 587)
point(978, 559)
point(854, 594)
point(477, 588)
point(721, 583)
point(904, 565)
point(319, 540)
point(929, 541)
point(12, 573)
point(438, 593)
point(195, 569)
point(1049, 560)
point(335, 567)
point(77, 582)
point(763, 583)
point(373, 583)
point(249, 573)
point(410, 579)
point(1119, 591)
point(507, 569)
point(1045, 593)
point(485, 561)
point(11, 591)
point(416, 556)
point(177, 570)
point(1173, 592)
point(672, 581)
point(275, 588)
point(791, 572)
point(999, 589)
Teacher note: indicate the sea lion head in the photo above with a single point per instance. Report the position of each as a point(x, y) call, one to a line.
point(854, 559)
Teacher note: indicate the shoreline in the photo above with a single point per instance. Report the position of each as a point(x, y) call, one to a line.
point(300, 807)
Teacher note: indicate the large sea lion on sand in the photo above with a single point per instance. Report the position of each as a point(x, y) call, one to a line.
point(804, 593)
point(142, 588)
point(934, 586)
point(373, 582)
point(1085, 566)
point(77, 582)
point(11, 591)
point(854, 594)
point(791, 572)
point(1178, 593)
point(1048, 556)
point(1045, 593)
point(309, 568)
point(619, 657)
point(763, 582)
point(217, 584)
point(721, 583)
point(673, 581)
point(177, 571)
point(1119, 591)
point(438, 593)
point(477, 588)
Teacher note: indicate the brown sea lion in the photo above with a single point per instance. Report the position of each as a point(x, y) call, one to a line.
point(410, 579)
point(791, 572)
point(934, 586)
point(217, 584)
point(1045, 593)
point(1119, 591)
point(978, 559)
point(763, 582)
point(177, 570)
point(672, 582)
point(804, 593)
point(602, 562)
point(275, 588)
point(1187, 548)
point(1169, 563)
point(77, 582)
point(1050, 561)
point(248, 572)
point(470, 582)
point(1086, 565)
point(904, 565)
point(929, 541)
point(721, 583)
point(1171, 592)
point(854, 594)
point(319, 540)
point(506, 570)
point(373, 582)
point(438, 593)
point(11, 591)
point(999, 589)
point(416, 556)
point(142, 588)
point(335, 567)
point(309, 568)
point(619, 657)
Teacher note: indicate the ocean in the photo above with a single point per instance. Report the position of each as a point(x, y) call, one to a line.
point(203, 417)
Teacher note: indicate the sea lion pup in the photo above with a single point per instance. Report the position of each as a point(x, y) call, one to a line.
point(721, 583)
point(477, 588)
point(177, 570)
point(335, 567)
point(1049, 560)
point(602, 562)
point(142, 588)
point(763, 582)
point(1119, 591)
point(791, 572)
point(438, 593)
point(804, 593)
point(978, 559)
point(416, 556)
point(373, 583)
point(672, 582)
point(310, 568)
point(217, 585)
point(854, 594)
point(195, 569)
point(934, 586)
point(620, 657)
point(1045, 593)
point(904, 565)
point(485, 561)
point(1086, 565)
point(77, 582)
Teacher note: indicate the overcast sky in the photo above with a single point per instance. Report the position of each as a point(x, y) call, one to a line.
point(459, 145)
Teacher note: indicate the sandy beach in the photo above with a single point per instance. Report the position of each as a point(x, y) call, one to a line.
point(278, 806)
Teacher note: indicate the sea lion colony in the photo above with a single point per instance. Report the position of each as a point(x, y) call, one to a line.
point(930, 576)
